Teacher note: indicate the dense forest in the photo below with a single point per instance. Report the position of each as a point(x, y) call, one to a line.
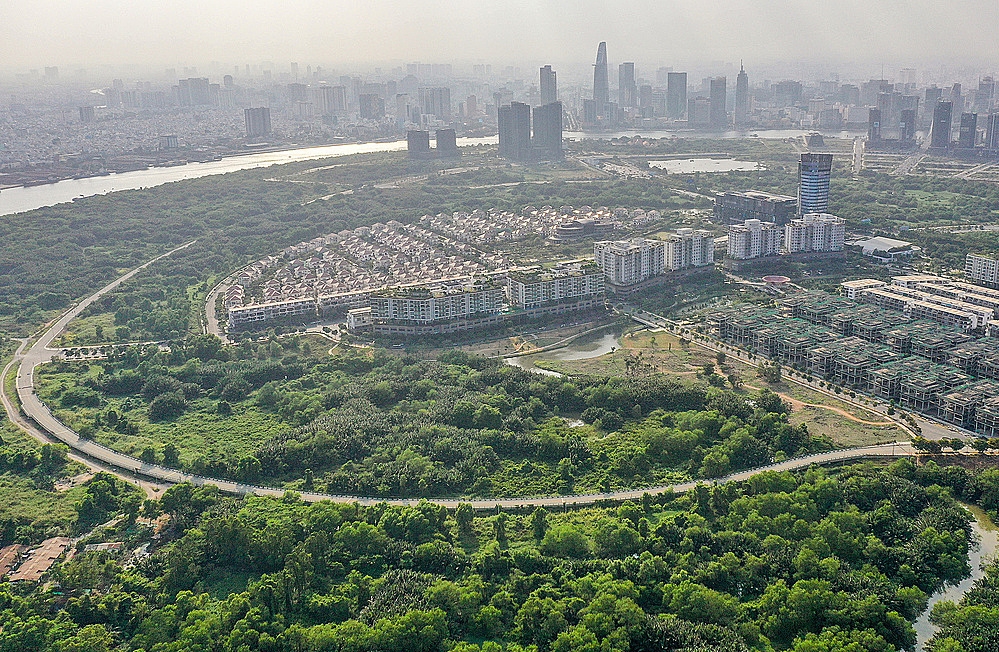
point(823, 560)
point(366, 422)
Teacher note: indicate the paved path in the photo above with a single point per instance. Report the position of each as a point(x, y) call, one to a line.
point(40, 353)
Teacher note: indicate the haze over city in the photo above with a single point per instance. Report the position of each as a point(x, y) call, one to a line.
point(189, 32)
point(499, 326)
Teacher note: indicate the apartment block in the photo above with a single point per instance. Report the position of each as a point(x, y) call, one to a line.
point(982, 269)
point(753, 239)
point(814, 232)
point(564, 284)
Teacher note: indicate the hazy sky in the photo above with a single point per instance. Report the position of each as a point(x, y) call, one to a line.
point(35, 33)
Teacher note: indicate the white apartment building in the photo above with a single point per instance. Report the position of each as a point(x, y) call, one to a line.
point(689, 248)
point(814, 232)
point(982, 269)
point(627, 262)
point(536, 288)
point(441, 303)
point(753, 239)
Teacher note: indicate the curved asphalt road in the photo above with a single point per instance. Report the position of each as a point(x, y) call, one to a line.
point(40, 353)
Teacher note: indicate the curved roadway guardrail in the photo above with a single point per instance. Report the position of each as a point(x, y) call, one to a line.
point(40, 353)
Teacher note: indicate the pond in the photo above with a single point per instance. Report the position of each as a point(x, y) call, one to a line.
point(691, 165)
point(581, 349)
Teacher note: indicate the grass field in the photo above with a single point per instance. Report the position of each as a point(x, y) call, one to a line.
point(663, 352)
point(201, 434)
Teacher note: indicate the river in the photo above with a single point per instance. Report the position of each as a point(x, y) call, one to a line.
point(988, 542)
point(21, 199)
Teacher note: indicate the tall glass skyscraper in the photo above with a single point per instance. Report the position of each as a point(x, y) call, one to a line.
point(549, 86)
point(814, 171)
point(943, 114)
point(741, 97)
point(601, 91)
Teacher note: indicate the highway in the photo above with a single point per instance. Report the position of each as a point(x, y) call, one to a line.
point(40, 353)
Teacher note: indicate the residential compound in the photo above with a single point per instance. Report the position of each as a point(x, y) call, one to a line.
point(982, 269)
point(629, 265)
point(904, 350)
point(812, 233)
point(574, 285)
point(753, 239)
point(443, 269)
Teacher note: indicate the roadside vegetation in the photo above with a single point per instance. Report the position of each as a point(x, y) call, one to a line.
point(365, 422)
point(839, 559)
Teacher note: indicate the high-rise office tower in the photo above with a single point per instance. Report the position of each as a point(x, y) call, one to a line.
point(547, 144)
point(814, 171)
point(992, 131)
point(645, 101)
point(418, 144)
point(873, 125)
point(741, 97)
point(986, 93)
point(549, 86)
point(601, 90)
point(447, 143)
point(676, 94)
point(719, 117)
point(436, 102)
point(515, 131)
point(258, 121)
point(626, 89)
point(969, 127)
point(907, 126)
point(933, 95)
point(942, 116)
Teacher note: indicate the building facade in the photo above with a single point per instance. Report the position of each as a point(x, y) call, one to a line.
point(982, 269)
point(737, 207)
point(753, 239)
point(564, 284)
point(814, 232)
point(814, 172)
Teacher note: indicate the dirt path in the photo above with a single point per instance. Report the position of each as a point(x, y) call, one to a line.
point(798, 404)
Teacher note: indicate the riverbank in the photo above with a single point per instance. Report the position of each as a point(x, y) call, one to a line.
point(987, 533)
point(26, 198)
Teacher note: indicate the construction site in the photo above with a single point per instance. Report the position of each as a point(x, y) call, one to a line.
point(942, 370)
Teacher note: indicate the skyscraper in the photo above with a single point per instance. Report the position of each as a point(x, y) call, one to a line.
point(873, 125)
point(741, 97)
point(626, 89)
point(992, 132)
point(907, 126)
point(676, 94)
point(549, 86)
point(258, 121)
point(515, 131)
point(942, 116)
point(547, 144)
point(719, 117)
point(437, 102)
point(969, 127)
point(601, 91)
point(814, 171)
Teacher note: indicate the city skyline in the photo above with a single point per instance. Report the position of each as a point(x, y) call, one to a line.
point(50, 33)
